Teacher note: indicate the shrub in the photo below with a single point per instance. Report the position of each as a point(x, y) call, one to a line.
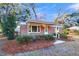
point(65, 31)
point(50, 37)
point(27, 38)
point(24, 38)
point(63, 35)
point(19, 39)
point(47, 37)
point(76, 31)
point(35, 37)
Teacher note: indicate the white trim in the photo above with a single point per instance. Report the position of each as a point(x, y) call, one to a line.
point(47, 30)
point(57, 26)
point(37, 29)
point(34, 32)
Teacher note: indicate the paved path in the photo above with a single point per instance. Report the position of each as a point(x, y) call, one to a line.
point(2, 53)
point(64, 49)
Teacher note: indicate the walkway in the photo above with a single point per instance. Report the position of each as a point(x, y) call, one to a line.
point(1, 44)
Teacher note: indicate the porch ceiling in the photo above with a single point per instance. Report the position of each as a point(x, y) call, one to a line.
point(39, 24)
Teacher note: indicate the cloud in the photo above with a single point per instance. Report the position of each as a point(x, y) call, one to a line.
point(74, 6)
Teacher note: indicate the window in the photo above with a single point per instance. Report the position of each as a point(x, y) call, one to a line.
point(57, 28)
point(46, 30)
point(34, 28)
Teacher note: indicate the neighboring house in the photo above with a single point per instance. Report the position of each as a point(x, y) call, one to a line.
point(74, 28)
point(38, 27)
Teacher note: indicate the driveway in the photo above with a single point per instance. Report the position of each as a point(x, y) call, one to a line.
point(2, 42)
point(65, 49)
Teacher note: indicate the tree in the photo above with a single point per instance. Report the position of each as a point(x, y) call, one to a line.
point(59, 16)
point(75, 15)
point(9, 14)
point(24, 14)
point(73, 18)
point(8, 19)
point(63, 18)
point(9, 26)
point(33, 6)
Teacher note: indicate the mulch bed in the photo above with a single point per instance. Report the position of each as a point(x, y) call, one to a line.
point(66, 39)
point(12, 47)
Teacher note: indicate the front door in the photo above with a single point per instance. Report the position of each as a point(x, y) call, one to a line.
point(46, 30)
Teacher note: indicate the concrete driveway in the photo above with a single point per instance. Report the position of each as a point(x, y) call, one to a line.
point(2, 42)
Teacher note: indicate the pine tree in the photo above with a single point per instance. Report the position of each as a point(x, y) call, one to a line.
point(9, 26)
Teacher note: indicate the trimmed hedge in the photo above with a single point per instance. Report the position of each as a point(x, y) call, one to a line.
point(47, 37)
point(27, 38)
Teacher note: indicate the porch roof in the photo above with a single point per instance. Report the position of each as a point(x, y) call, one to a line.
point(39, 21)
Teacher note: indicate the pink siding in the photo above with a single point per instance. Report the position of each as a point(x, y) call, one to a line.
point(50, 30)
point(42, 29)
point(24, 29)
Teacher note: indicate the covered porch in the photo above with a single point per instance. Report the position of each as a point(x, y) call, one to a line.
point(39, 29)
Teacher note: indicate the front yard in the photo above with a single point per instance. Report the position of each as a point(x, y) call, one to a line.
point(12, 47)
point(69, 48)
point(65, 49)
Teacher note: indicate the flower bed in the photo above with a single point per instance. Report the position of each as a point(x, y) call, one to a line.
point(13, 47)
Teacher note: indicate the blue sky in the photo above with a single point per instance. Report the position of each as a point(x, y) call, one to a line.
point(49, 11)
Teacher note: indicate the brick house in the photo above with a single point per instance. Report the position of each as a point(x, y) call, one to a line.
point(38, 27)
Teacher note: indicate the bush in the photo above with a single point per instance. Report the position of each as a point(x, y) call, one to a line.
point(25, 38)
point(50, 37)
point(35, 37)
point(65, 31)
point(47, 37)
point(19, 39)
point(63, 35)
point(76, 31)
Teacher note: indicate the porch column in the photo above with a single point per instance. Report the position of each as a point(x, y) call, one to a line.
point(56, 31)
point(27, 28)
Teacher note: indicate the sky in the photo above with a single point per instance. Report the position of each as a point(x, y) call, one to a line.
point(49, 11)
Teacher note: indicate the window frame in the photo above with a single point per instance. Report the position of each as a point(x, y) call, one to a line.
point(37, 29)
